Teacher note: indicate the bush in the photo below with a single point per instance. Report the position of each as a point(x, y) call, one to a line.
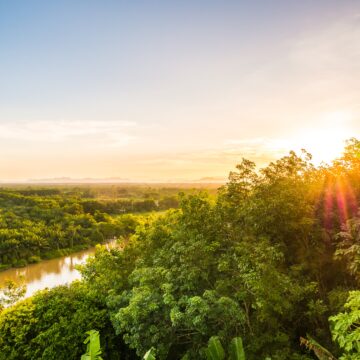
point(34, 259)
point(20, 263)
point(51, 325)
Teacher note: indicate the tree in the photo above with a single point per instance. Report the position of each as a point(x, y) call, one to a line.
point(188, 276)
point(11, 293)
point(345, 328)
point(51, 325)
point(348, 248)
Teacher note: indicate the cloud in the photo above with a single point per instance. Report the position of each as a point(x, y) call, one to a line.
point(325, 141)
point(107, 133)
point(219, 160)
point(258, 148)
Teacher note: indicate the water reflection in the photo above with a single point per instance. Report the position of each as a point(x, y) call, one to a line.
point(49, 273)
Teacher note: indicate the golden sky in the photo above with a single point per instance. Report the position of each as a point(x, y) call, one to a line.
point(174, 92)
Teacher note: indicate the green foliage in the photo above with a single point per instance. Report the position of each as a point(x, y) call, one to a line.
point(150, 355)
point(188, 276)
point(215, 351)
point(345, 327)
point(43, 223)
point(268, 260)
point(236, 349)
point(93, 350)
point(51, 325)
point(348, 247)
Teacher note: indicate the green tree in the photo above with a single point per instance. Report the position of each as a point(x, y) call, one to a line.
point(345, 328)
point(51, 325)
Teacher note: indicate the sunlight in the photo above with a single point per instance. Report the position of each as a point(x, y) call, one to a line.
point(339, 199)
point(326, 141)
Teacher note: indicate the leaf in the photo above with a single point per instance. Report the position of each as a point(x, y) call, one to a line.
point(150, 355)
point(215, 351)
point(237, 349)
point(93, 350)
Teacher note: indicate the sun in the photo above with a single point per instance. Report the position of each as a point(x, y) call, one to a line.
point(327, 140)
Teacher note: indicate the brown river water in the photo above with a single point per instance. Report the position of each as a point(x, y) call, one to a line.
point(49, 273)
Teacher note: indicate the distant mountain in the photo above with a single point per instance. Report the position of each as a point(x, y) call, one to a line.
point(66, 180)
point(117, 180)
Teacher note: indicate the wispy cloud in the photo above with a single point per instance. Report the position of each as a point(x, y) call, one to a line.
point(107, 133)
point(218, 160)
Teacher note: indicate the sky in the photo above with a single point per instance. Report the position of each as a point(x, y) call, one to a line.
point(173, 90)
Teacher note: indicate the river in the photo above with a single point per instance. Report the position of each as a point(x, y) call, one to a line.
point(49, 273)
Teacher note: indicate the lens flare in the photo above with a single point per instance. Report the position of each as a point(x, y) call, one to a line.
point(339, 201)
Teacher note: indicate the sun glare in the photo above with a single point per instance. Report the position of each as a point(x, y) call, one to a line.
point(327, 140)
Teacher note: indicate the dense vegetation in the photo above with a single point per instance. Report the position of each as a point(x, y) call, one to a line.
point(275, 257)
point(39, 223)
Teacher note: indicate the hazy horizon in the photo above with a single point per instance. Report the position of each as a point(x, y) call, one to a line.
point(159, 91)
point(112, 181)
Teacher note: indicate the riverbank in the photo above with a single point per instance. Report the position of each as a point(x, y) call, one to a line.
point(50, 255)
point(52, 272)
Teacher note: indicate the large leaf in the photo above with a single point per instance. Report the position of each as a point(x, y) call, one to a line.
point(93, 350)
point(215, 351)
point(150, 355)
point(237, 349)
